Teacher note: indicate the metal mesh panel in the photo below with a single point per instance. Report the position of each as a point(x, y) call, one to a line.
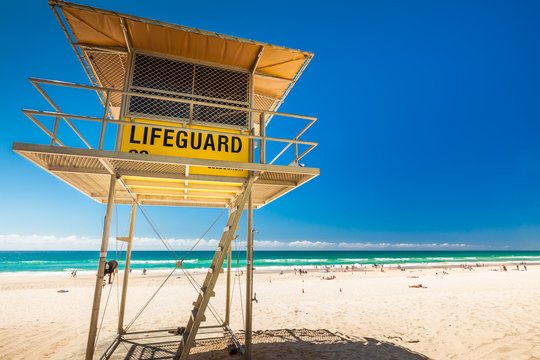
point(182, 80)
point(269, 344)
point(110, 69)
point(214, 115)
point(278, 176)
point(162, 74)
point(157, 108)
point(221, 84)
point(261, 102)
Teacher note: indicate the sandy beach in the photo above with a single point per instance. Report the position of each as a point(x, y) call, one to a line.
point(464, 314)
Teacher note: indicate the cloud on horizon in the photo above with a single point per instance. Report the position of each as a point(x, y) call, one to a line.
point(73, 242)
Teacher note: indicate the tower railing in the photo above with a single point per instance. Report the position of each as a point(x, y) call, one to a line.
point(261, 138)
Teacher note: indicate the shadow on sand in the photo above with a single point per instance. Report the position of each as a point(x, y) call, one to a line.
point(282, 344)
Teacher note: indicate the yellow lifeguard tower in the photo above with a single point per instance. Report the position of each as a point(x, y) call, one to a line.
point(184, 123)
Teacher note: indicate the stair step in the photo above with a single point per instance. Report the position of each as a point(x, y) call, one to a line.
point(194, 314)
point(211, 270)
point(204, 290)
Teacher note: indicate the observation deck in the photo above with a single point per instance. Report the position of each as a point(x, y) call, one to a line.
point(159, 179)
point(184, 116)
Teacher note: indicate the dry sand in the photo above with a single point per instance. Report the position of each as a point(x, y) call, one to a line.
point(467, 314)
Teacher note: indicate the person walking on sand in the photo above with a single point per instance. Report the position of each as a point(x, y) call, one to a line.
point(144, 271)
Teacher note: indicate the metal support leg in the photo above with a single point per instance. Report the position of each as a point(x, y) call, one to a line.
point(100, 272)
point(126, 271)
point(262, 132)
point(228, 292)
point(249, 277)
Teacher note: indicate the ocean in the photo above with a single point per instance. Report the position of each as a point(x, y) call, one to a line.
point(59, 262)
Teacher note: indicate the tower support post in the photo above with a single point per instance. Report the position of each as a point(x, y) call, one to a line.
point(249, 278)
point(228, 292)
point(101, 271)
point(126, 271)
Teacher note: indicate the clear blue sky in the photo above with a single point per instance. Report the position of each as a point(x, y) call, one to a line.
point(428, 125)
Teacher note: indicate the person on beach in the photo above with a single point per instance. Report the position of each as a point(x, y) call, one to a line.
point(110, 268)
point(144, 271)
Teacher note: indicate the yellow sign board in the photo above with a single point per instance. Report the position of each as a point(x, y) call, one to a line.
point(146, 139)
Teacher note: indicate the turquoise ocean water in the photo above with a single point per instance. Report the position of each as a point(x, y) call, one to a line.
point(54, 262)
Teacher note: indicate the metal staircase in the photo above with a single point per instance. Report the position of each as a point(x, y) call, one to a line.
point(207, 288)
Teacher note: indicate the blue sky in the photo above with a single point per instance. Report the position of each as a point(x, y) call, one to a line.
point(428, 126)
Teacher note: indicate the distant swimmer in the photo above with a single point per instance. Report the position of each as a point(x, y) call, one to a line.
point(110, 268)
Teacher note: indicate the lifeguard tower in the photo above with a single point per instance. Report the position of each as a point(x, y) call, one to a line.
point(184, 123)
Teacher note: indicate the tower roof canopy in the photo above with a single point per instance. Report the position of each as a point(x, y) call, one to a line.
point(275, 68)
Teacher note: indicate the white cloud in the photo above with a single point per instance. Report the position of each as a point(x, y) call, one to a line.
point(47, 242)
point(309, 244)
point(266, 244)
point(72, 242)
point(147, 243)
point(360, 245)
point(368, 245)
point(432, 245)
